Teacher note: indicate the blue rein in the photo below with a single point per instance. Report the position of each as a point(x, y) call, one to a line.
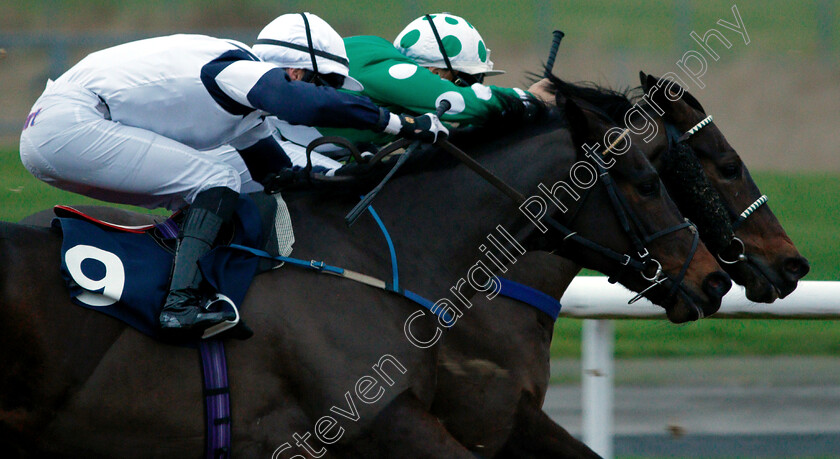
point(509, 288)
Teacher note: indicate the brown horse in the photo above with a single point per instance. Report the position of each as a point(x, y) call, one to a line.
point(771, 265)
point(511, 341)
point(301, 366)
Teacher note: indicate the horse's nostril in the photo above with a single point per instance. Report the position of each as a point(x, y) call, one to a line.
point(717, 284)
point(796, 268)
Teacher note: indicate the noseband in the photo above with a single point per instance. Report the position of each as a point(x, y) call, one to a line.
point(675, 138)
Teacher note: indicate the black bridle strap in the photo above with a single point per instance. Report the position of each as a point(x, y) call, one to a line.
point(620, 204)
point(440, 45)
point(676, 282)
point(519, 199)
point(623, 259)
point(670, 230)
point(569, 235)
point(620, 207)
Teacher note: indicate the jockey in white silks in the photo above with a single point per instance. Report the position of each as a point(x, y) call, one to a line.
point(142, 123)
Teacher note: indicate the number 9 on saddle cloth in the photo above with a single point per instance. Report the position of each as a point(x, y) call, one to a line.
point(125, 274)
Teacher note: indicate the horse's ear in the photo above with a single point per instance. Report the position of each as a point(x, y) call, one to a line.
point(692, 102)
point(649, 81)
point(659, 96)
point(579, 122)
point(643, 80)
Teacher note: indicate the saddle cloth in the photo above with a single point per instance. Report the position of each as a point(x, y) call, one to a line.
point(125, 274)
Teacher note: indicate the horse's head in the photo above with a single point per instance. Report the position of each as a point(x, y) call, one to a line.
point(672, 268)
point(759, 254)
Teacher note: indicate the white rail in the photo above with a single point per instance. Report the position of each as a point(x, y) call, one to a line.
point(595, 298)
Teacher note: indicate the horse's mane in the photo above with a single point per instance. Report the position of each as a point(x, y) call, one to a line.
point(613, 102)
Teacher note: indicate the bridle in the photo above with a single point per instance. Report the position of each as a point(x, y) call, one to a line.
point(674, 137)
point(641, 261)
point(633, 228)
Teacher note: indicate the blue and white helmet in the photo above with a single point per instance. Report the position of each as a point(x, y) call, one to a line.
point(305, 41)
point(461, 42)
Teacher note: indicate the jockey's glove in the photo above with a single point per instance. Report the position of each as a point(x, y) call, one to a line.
point(425, 128)
point(532, 108)
point(275, 182)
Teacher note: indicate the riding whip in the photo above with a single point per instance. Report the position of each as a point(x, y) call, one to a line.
point(552, 54)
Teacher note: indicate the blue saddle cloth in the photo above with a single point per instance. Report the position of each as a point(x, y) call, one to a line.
point(126, 275)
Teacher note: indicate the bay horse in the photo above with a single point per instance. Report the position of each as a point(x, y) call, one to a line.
point(505, 413)
point(755, 251)
point(302, 366)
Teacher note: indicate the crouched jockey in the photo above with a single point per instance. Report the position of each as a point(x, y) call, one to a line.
point(436, 57)
point(140, 124)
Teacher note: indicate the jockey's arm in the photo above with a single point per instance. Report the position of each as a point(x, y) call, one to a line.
point(266, 87)
point(397, 82)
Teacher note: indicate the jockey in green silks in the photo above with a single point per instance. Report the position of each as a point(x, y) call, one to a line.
point(436, 57)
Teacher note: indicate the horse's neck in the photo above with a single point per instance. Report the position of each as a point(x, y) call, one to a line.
point(440, 220)
point(500, 332)
point(543, 271)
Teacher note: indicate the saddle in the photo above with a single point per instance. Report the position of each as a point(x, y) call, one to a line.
point(122, 269)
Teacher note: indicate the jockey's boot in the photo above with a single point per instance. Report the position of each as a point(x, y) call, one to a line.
point(184, 309)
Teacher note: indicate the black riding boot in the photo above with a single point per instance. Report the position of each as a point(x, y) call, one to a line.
point(183, 309)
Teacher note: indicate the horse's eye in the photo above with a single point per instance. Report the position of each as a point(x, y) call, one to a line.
point(649, 188)
point(730, 171)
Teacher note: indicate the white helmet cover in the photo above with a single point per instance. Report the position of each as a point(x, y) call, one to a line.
point(463, 45)
point(285, 42)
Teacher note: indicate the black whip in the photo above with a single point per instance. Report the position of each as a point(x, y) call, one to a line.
point(552, 55)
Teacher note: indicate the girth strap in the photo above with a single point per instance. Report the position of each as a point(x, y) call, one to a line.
point(216, 399)
point(530, 296)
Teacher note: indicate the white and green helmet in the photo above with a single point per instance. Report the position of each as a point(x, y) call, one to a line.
point(462, 43)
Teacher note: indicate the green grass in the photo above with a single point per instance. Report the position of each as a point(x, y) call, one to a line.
point(806, 204)
point(21, 194)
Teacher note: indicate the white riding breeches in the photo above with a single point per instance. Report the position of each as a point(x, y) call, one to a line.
point(69, 142)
